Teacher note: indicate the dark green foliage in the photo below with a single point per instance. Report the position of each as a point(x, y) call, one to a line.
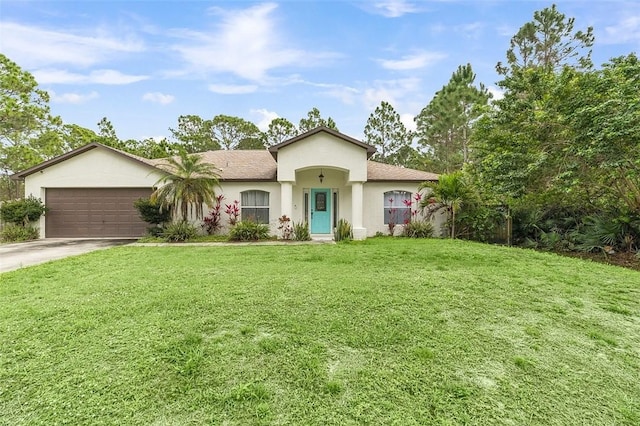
point(479, 222)
point(249, 231)
point(22, 212)
point(301, 231)
point(343, 231)
point(179, 232)
point(12, 233)
point(418, 229)
point(151, 212)
point(607, 232)
point(387, 133)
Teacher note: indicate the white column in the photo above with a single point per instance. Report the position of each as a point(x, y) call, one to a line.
point(359, 232)
point(286, 198)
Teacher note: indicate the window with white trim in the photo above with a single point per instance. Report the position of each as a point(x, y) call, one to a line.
point(254, 206)
point(397, 207)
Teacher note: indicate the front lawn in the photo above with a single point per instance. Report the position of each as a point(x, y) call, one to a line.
point(385, 331)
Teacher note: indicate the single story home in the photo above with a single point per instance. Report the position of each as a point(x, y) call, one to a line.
point(320, 176)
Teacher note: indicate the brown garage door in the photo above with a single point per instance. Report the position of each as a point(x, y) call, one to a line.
point(94, 212)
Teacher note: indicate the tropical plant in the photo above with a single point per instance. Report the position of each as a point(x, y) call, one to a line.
point(233, 211)
point(418, 229)
point(249, 231)
point(449, 193)
point(188, 185)
point(22, 212)
point(301, 231)
point(343, 231)
point(179, 232)
point(213, 222)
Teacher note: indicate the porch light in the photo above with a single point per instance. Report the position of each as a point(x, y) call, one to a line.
point(321, 176)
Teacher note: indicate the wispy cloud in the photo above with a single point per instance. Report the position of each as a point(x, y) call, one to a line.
point(233, 89)
point(107, 77)
point(418, 60)
point(247, 43)
point(72, 98)
point(34, 47)
point(394, 8)
point(158, 97)
point(496, 92)
point(624, 31)
point(391, 91)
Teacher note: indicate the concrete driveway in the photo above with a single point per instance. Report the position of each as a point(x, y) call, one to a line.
point(17, 255)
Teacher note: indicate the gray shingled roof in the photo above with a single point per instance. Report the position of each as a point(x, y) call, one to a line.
point(245, 165)
point(258, 165)
point(239, 165)
point(387, 172)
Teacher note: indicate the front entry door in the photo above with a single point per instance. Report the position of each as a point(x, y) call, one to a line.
point(320, 211)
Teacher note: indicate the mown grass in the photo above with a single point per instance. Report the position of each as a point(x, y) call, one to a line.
point(386, 331)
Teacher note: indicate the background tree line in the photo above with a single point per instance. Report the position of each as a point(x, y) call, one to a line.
point(558, 152)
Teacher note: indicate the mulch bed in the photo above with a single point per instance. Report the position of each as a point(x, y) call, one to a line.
point(625, 260)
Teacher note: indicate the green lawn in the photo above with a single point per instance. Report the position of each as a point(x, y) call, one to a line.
point(386, 331)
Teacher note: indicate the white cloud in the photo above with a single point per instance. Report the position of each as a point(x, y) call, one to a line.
point(265, 119)
point(158, 97)
point(233, 89)
point(625, 31)
point(497, 92)
point(34, 47)
point(107, 77)
point(247, 43)
point(390, 91)
point(415, 61)
point(407, 120)
point(394, 8)
point(72, 98)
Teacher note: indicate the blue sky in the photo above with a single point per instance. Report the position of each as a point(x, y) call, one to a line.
point(142, 64)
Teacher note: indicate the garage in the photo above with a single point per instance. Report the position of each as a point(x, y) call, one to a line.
point(93, 212)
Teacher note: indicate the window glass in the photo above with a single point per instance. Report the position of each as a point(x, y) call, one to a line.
point(254, 206)
point(397, 207)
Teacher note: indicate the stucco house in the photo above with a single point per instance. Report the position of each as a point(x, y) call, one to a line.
point(320, 176)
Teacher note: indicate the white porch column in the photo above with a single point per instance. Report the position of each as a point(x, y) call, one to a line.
point(286, 198)
point(359, 232)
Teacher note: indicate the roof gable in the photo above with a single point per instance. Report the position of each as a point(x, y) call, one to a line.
point(85, 148)
point(322, 129)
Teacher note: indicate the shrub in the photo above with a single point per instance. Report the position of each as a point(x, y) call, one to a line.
point(249, 231)
point(418, 229)
point(343, 231)
point(179, 232)
point(301, 231)
point(151, 212)
point(12, 233)
point(22, 212)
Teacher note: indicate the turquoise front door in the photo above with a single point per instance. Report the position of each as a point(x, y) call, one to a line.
point(320, 211)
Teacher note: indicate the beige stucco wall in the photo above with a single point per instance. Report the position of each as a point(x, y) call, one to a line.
point(374, 206)
point(322, 150)
point(232, 191)
point(97, 168)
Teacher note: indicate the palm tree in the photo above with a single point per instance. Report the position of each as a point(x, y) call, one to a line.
point(189, 184)
point(450, 193)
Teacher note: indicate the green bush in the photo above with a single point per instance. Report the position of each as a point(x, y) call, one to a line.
point(418, 229)
point(343, 231)
point(151, 212)
point(249, 231)
point(22, 212)
point(12, 233)
point(179, 232)
point(301, 231)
